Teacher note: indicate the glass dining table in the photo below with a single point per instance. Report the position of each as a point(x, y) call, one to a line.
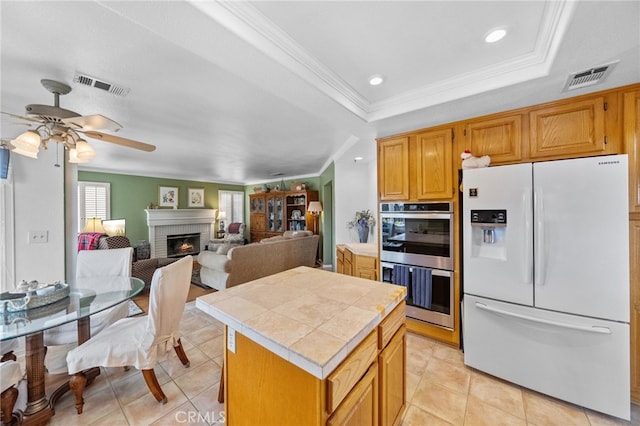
point(89, 296)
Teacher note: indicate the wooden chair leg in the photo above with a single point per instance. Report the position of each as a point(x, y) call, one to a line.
point(181, 354)
point(9, 356)
point(77, 383)
point(152, 383)
point(7, 402)
point(221, 387)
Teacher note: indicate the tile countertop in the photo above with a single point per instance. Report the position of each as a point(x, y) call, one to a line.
point(363, 249)
point(310, 317)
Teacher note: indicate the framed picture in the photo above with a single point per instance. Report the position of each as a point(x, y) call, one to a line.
point(195, 197)
point(167, 196)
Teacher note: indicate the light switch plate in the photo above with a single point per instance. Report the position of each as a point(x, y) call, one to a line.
point(231, 339)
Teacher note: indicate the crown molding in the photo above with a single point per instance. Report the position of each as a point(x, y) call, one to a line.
point(251, 25)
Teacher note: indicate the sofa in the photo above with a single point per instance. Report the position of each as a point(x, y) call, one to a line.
point(224, 266)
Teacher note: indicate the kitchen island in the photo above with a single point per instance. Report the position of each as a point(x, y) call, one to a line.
point(307, 346)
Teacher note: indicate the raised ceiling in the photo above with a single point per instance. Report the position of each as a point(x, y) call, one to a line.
point(242, 91)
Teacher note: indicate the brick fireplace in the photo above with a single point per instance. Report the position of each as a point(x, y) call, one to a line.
point(166, 222)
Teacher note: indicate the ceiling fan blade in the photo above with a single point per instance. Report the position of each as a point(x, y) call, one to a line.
point(120, 141)
point(92, 122)
point(21, 117)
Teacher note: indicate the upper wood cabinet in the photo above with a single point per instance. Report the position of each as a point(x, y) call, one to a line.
point(393, 169)
point(416, 167)
point(631, 135)
point(500, 138)
point(434, 164)
point(570, 129)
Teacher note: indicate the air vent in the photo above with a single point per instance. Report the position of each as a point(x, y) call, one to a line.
point(276, 174)
point(589, 77)
point(94, 82)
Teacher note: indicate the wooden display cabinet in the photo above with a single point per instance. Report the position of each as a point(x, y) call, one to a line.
point(296, 209)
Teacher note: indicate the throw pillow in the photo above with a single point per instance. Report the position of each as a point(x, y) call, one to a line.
point(224, 248)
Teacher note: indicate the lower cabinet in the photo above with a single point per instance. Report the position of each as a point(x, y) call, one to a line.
point(356, 265)
point(391, 373)
point(360, 407)
point(368, 388)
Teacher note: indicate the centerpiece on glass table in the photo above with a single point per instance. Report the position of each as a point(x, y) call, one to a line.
point(362, 221)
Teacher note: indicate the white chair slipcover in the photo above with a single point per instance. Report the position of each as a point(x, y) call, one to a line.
point(140, 341)
point(115, 266)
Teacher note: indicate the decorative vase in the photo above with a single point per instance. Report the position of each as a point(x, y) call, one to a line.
point(363, 233)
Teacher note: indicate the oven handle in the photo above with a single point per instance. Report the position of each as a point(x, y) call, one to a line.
point(425, 215)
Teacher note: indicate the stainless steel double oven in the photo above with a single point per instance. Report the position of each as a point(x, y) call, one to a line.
point(415, 237)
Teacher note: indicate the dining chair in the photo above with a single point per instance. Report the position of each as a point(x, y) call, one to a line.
point(90, 264)
point(10, 376)
point(139, 341)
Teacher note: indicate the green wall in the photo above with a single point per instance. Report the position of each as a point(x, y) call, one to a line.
point(327, 196)
point(131, 194)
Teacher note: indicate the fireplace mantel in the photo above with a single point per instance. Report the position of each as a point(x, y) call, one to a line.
point(159, 217)
point(163, 222)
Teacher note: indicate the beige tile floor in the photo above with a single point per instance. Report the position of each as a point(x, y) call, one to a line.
point(440, 390)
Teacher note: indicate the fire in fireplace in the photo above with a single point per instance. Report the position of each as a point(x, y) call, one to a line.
point(183, 245)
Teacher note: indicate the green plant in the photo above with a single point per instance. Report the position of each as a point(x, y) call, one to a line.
point(362, 217)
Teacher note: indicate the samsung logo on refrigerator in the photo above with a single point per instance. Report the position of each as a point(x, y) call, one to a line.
point(604, 163)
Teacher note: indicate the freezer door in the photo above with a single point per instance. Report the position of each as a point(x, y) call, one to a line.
point(580, 360)
point(582, 236)
point(500, 266)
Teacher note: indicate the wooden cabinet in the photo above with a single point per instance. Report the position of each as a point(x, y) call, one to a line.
point(499, 137)
point(416, 167)
point(257, 222)
point(366, 267)
point(393, 386)
point(298, 219)
point(631, 135)
point(340, 259)
point(393, 169)
point(361, 405)
point(571, 129)
point(434, 175)
point(272, 213)
point(347, 267)
point(634, 276)
point(275, 212)
point(264, 388)
point(356, 264)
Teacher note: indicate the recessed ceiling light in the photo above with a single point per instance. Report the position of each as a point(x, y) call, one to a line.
point(358, 158)
point(495, 35)
point(376, 80)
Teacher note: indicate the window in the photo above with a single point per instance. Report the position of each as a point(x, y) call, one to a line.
point(94, 200)
point(231, 202)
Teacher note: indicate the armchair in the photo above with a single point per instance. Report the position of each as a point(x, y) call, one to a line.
point(143, 268)
point(233, 235)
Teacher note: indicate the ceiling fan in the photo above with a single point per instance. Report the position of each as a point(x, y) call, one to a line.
point(66, 127)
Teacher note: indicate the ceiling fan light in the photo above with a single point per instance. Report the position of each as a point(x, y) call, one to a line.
point(84, 151)
point(29, 141)
point(31, 154)
point(73, 157)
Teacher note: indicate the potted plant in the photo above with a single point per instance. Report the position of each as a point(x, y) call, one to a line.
point(362, 221)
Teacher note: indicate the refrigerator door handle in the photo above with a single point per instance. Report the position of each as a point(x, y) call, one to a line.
point(540, 260)
point(528, 233)
point(592, 329)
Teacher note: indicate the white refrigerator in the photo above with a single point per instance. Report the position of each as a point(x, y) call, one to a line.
point(546, 278)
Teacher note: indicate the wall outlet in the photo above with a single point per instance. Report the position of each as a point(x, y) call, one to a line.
point(38, 237)
point(231, 339)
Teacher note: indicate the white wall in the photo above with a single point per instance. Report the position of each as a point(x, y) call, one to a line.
point(355, 189)
point(39, 206)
